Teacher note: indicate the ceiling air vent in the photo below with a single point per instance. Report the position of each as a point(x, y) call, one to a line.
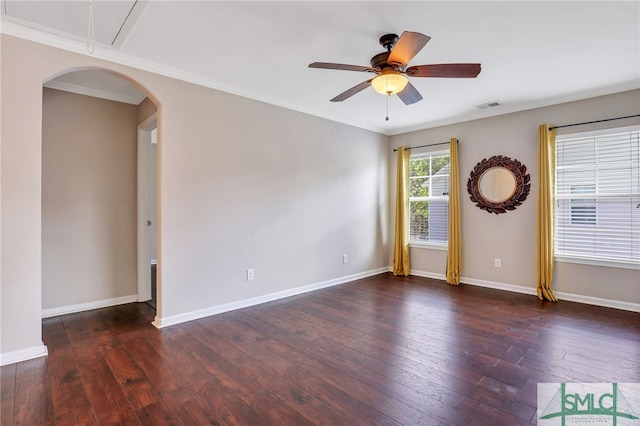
point(488, 105)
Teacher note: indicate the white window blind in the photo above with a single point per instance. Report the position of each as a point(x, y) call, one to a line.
point(429, 197)
point(597, 213)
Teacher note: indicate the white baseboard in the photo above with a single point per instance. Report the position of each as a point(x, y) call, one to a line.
point(480, 283)
point(597, 301)
point(426, 274)
point(12, 357)
point(213, 310)
point(570, 297)
point(70, 309)
point(500, 286)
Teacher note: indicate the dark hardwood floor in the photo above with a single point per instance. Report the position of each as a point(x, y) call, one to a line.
point(382, 350)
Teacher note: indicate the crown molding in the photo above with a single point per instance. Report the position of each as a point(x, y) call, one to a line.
point(504, 109)
point(108, 53)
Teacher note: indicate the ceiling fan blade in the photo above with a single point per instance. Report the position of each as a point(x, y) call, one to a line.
point(349, 93)
point(408, 46)
point(344, 67)
point(410, 95)
point(445, 70)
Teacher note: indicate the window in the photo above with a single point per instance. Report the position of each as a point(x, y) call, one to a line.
point(583, 210)
point(597, 213)
point(429, 197)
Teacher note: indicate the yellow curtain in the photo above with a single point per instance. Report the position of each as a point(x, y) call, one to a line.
point(546, 189)
point(454, 248)
point(401, 263)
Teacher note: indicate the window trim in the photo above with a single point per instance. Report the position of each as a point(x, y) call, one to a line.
point(429, 245)
point(597, 262)
point(437, 245)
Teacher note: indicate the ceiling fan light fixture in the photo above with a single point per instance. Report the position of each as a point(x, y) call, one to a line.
point(389, 82)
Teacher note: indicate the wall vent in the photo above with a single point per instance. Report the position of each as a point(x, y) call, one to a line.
point(488, 105)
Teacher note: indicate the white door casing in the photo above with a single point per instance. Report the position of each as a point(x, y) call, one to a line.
point(144, 219)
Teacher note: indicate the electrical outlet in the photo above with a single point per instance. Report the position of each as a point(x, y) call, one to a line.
point(250, 274)
point(345, 258)
point(497, 263)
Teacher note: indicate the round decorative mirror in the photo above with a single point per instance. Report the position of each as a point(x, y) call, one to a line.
point(498, 184)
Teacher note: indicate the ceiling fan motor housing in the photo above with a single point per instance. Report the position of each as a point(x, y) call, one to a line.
point(388, 41)
point(379, 61)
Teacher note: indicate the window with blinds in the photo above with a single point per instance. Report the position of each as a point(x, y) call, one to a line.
point(429, 197)
point(597, 213)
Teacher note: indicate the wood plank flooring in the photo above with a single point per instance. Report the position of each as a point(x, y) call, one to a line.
point(383, 350)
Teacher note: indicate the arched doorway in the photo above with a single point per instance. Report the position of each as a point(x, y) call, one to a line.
point(94, 191)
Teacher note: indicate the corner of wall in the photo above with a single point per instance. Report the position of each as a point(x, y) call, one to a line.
point(26, 354)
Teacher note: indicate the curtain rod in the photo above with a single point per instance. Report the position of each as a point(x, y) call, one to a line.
point(592, 122)
point(422, 146)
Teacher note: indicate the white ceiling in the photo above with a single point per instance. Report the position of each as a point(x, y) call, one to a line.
point(532, 53)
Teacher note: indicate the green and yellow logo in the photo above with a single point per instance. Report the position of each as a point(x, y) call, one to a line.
point(589, 403)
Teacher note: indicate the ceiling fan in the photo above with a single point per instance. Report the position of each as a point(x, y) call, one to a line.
point(391, 68)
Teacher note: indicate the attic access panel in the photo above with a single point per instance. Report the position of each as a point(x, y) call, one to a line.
point(112, 19)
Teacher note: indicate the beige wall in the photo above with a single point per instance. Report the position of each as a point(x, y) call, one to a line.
point(88, 199)
point(256, 186)
point(242, 185)
point(512, 236)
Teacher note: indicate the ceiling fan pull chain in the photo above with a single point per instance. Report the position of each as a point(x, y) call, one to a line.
point(387, 119)
point(91, 33)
